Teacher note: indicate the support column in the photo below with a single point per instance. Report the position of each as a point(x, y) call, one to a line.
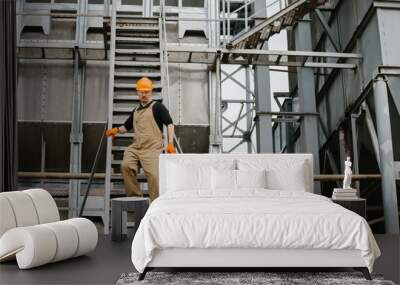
point(249, 117)
point(147, 8)
point(215, 108)
point(307, 98)
point(76, 138)
point(214, 82)
point(262, 93)
point(384, 130)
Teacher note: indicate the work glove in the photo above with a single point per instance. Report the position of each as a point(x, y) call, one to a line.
point(171, 148)
point(112, 132)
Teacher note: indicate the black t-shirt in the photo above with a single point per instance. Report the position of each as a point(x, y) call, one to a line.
point(160, 113)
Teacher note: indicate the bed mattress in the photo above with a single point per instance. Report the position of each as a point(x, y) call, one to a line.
point(250, 219)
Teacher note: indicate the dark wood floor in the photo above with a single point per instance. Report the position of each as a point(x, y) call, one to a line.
point(110, 260)
point(102, 266)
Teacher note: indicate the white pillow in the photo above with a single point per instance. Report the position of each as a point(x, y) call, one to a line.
point(282, 174)
point(223, 179)
point(251, 178)
point(183, 177)
point(291, 178)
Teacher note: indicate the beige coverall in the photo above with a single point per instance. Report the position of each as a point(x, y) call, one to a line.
point(144, 152)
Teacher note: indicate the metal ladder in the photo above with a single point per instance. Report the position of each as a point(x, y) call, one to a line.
point(261, 32)
point(135, 51)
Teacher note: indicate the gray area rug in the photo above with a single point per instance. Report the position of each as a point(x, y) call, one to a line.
point(233, 278)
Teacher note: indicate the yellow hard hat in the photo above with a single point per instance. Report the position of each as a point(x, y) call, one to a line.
point(144, 84)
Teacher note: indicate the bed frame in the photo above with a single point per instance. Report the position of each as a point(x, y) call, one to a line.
point(246, 258)
point(243, 259)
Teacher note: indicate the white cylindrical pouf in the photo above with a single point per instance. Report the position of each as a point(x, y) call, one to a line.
point(45, 205)
point(23, 208)
point(87, 234)
point(34, 246)
point(67, 240)
point(7, 218)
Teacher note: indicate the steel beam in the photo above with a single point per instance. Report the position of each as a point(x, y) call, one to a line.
point(232, 73)
point(307, 98)
point(237, 82)
point(261, 6)
point(389, 195)
point(327, 29)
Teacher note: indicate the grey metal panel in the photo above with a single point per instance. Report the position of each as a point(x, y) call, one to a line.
point(56, 81)
point(394, 88)
point(188, 92)
point(332, 106)
point(362, 7)
point(370, 47)
point(194, 98)
point(174, 90)
point(193, 139)
point(96, 97)
point(92, 133)
point(352, 85)
point(62, 30)
point(346, 22)
point(388, 29)
point(336, 102)
point(57, 150)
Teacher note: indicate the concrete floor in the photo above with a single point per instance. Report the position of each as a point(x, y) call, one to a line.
point(110, 260)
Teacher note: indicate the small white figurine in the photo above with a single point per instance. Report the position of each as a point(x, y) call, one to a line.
point(347, 174)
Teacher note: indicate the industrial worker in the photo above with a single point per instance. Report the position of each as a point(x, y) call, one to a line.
point(147, 120)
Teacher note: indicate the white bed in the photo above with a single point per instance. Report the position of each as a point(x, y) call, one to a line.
point(201, 219)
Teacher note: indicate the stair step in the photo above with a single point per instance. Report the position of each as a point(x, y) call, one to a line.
point(118, 177)
point(132, 85)
point(118, 148)
point(134, 98)
point(152, 58)
point(122, 27)
point(128, 14)
point(136, 20)
point(137, 63)
point(122, 110)
point(137, 39)
point(145, 58)
point(137, 51)
point(117, 122)
point(127, 21)
point(134, 34)
point(116, 162)
point(126, 135)
point(137, 74)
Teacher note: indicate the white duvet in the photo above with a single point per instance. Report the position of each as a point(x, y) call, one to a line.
point(252, 218)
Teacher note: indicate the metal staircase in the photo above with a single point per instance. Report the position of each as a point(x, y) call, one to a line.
point(261, 32)
point(135, 51)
